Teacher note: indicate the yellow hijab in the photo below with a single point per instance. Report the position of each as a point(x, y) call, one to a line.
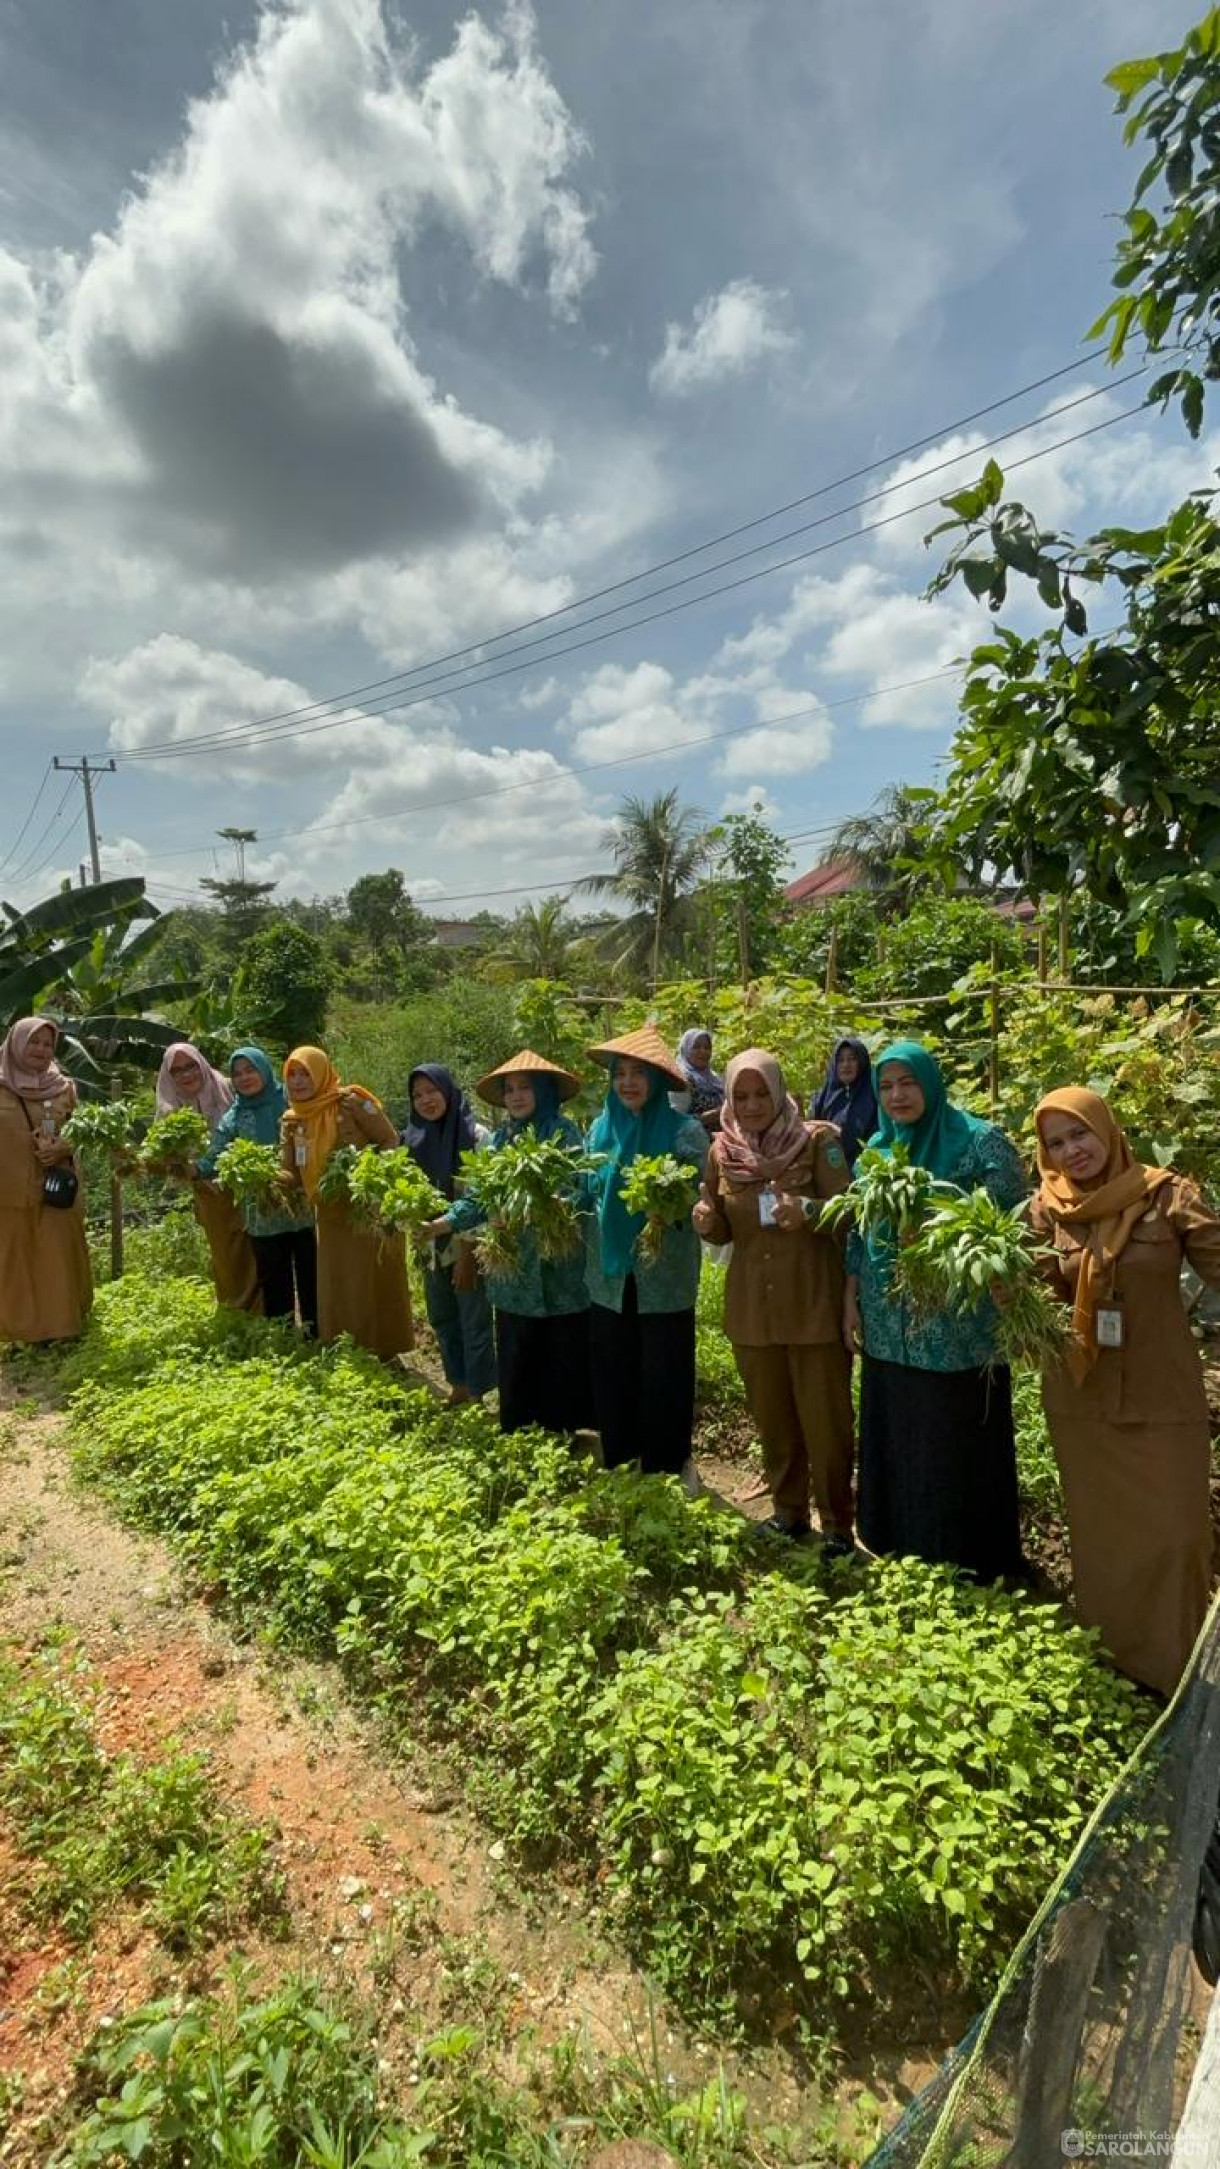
point(1103, 1212)
point(317, 1118)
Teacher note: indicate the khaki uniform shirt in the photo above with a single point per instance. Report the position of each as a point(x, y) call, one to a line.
point(785, 1285)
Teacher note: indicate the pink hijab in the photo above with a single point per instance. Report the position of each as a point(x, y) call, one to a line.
point(217, 1092)
point(762, 1156)
point(30, 1084)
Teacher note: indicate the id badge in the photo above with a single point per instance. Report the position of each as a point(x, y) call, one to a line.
point(1109, 1328)
point(301, 1152)
point(766, 1208)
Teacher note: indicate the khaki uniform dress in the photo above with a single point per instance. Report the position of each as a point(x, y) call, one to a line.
point(46, 1285)
point(1132, 1443)
point(362, 1275)
point(784, 1316)
point(233, 1268)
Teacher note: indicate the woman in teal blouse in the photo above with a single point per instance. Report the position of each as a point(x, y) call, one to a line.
point(937, 1460)
point(284, 1246)
point(642, 1321)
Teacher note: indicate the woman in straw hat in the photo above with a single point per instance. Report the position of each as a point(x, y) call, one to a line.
point(46, 1287)
point(362, 1272)
point(784, 1295)
point(441, 1129)
point(642, 1323)
point(542, 1306)
point(1127, 1410)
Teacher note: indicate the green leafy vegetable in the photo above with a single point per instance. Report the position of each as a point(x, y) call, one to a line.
point(664, 1190)
point(106, 1124)
point(175, 1140)
point(970, 1251)
point(251, 1174)
point(889, 1195)
point(529, 1185)
point(387, 1190)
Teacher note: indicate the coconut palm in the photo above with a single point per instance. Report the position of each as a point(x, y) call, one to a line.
point(885, 843)
point(659, 849)
point(540, 942)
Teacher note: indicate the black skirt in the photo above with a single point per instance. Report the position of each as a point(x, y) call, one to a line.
point(643, 1384)
point(543, 1369)
point(938, 1467)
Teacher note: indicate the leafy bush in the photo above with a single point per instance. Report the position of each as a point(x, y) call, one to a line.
point(469, 1027)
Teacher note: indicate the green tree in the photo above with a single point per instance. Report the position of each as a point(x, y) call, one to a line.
point(243, 902)
point(74, 956)
point(540, 942)
point(886, 843)
point(1088, 761)
point(745, 892)
point(659, 848)
point(283, 985)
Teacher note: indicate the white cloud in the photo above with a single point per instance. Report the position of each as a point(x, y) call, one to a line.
point(622, 711)
point(780, 749)
point(728, 333)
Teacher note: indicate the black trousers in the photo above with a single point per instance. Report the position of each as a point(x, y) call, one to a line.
point(281, 1260)
point(543, 1369)
point(643, 1384)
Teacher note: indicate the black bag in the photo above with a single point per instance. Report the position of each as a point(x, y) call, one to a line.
point(59, 1184)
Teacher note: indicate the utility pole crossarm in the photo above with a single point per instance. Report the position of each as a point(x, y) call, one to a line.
point(86, 773)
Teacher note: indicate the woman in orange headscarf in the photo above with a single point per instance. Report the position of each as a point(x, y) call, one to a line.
point(362, 1274)
point(1127, 1410)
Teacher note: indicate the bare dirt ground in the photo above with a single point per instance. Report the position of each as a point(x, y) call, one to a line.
point(392, 1886)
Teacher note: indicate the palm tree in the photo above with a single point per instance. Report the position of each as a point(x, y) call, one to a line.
point(659, 848)
point(539, 943)
point(885, 841)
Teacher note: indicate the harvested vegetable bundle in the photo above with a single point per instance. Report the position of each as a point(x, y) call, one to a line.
point(664, 1190)
point(107, 1124)
point(970, 1251)
point(175, 1141)
point(889, 1195)
point(531, 1185)
point(388, 1189)
point(251, 1174)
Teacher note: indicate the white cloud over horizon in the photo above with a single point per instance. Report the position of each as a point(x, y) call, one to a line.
point(728, 334)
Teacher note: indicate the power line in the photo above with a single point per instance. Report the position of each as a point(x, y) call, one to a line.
point(320, 716)
point(15, 846)
point(559, 775)
point(26, 870)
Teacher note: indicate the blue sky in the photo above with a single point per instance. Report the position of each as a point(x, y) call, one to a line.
point(335, 338)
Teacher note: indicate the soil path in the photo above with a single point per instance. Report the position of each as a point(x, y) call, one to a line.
point(392, 1885)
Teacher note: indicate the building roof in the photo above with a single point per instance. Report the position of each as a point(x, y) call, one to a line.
point(830, 878)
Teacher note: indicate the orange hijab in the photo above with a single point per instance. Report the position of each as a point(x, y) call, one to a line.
point(1102, 1213)
point(317, 1118)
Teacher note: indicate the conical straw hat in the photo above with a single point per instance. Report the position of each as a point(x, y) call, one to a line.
point(491, 1087)
point(646, 1045)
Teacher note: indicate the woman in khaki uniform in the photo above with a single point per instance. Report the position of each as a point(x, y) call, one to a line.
point(1127, 1410)
point(784, 1298)
point(46, 1286)
point(362, 1273)
point(187, 1079)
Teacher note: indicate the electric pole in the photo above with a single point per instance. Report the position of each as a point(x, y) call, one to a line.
point(82, 769)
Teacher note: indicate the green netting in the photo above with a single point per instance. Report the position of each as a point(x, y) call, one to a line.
point(1085, 2050)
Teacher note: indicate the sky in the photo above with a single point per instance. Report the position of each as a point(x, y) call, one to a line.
point(357, 361)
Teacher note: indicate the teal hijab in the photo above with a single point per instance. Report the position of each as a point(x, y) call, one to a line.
point(267, 1105)
point(940, 1137)
point(625, 1137)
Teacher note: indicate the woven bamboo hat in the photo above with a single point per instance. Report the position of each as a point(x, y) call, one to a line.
point(527, 1063)
point(646, 1045)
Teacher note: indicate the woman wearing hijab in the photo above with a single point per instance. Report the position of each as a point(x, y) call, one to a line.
point(542, 1306)
point(441, 1130)
point(938, 1471)
point(362, 1272)
point(187, 1079)
point(847, 1098)
point(642, 1321)
point(1127, 1410)
point(46, 1287)
point(783, 1310)
point(704, 1086)
point(281, 1237)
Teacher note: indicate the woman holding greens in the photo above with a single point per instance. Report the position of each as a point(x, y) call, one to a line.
point(937, 1468)
point(1127, 1410)
point(281, 1236)
point(46, 1287)
point(187, 1079)
point(362, 1272)
point(541, 1306)
point(642, 1322)
point(441, 1129)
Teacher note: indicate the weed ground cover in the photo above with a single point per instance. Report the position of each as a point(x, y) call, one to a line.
point(778, 1774)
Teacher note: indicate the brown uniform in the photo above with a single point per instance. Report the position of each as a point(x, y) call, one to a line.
point(784, 1316)
point(1132, 1443)
point(229, 1247)
point(46, 1285)
point(362, 1274)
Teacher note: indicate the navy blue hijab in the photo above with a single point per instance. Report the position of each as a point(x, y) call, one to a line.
point(438, 1146)
point(853, 1107)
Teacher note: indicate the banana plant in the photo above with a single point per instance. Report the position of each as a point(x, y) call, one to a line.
point(74, 958)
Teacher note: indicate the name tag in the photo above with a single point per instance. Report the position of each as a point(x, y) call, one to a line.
point(766, 1208)
point(301, 1152)
point(1109, 1328)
